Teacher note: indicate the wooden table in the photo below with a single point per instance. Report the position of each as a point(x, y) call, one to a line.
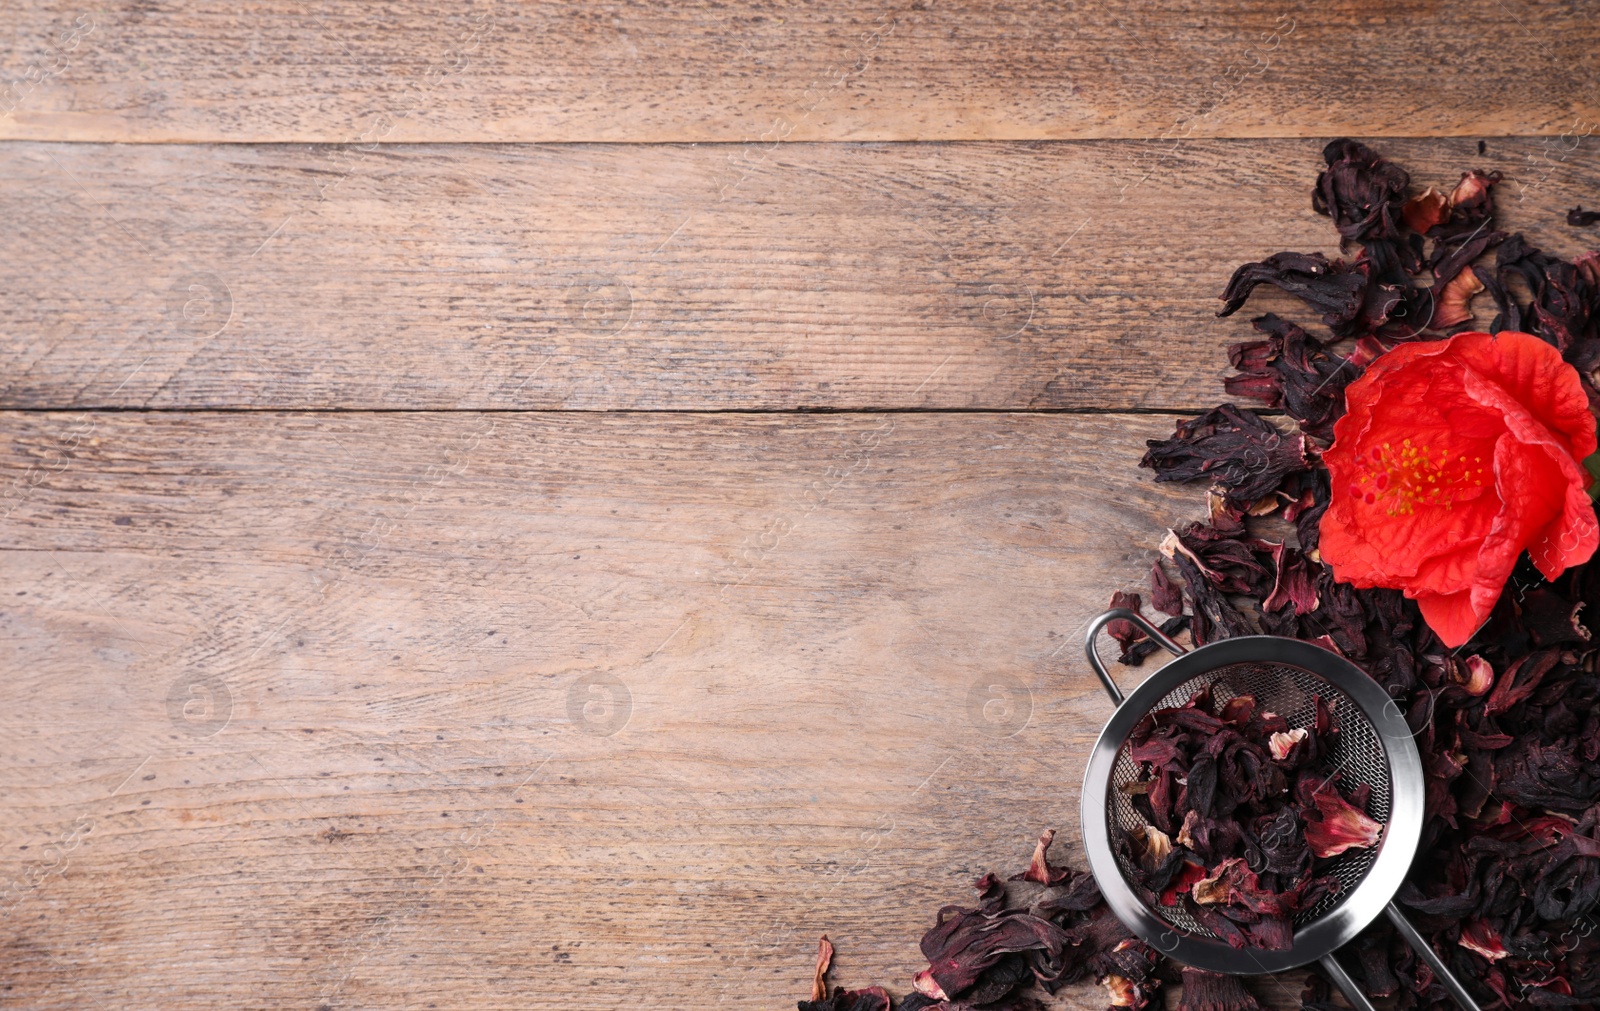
point(557, 505)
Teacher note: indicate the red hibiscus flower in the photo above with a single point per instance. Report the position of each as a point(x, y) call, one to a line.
point(1455, 456)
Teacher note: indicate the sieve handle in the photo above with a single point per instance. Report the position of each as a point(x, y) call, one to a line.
point(1093, 654)
point(1350, 988)
point(1420, 945)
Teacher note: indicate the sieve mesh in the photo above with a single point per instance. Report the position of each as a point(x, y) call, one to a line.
point(1358, 756)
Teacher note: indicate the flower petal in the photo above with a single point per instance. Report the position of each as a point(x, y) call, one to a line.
point(1533, 373)
point(1452, 616)
point(1455, 456)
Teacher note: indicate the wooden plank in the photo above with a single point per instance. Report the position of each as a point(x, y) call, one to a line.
point(500, 710)
point(573, 70)
point(1071, 275)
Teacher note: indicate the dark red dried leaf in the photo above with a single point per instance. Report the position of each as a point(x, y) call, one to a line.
point(1521, 680)
point(1293, 585)
point(1165, 596)
point(1550, 618)
point(1351, 297)
point(1259, 386)
point(1136, 654)
point(1471, 206)
point(870, 999)
point(1228, 558)
point(1554, 775)
point(873, 998)
point(967, 942)
point(1565, 307)
point(1182, 883)
point(1212, 991)
point(1239, 451)
point(1334, 825)
point(1426, 209)
point(1292, 369)
point(1125, 632)
point(1373, 963)
point(1039, 868)
point(1213, 616)
point(1361, 192)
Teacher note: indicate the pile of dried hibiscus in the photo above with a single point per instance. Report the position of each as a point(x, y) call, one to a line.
point(1497, 676)
point(1239, 816)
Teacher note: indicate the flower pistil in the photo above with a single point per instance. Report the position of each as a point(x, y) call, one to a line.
point(1413, 476)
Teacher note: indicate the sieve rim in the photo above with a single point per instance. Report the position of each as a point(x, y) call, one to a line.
point(1339, 925)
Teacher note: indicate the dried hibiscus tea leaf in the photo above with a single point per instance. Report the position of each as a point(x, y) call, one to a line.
point(871, 999)
point(1122, 992)
point(1213, 615)
point(1284, 743)
point(1125, 632)
point(1227, 558)
point(1426, 209)
point(1565, 308)
point(966, 947)
point(1350, 300)
point(1580, 218)
point(1450, 257)
point(1213, 991)
point(1165, 596)
point(1039, 869)
point(1333, 824)
point(819, 986)
point(1136, 654)
point(1239, 451)
point(1182, 883)
point(1361, 192)
point(1280, 846)
point(1297, 372)
point(1151, 847)
point(1471, 207)
point(1453, 305)
point(1293, 586)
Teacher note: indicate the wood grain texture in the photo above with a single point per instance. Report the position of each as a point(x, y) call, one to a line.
point(572, 70)
point(1054, 275)
point(623, 703)
point(495, 711)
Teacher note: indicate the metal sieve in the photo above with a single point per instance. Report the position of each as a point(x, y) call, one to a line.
point(1374, 748)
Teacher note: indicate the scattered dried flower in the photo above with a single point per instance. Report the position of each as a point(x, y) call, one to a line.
point(1426, 209)
point(873, 998)
point(1242, 453)
point(1212, 991)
